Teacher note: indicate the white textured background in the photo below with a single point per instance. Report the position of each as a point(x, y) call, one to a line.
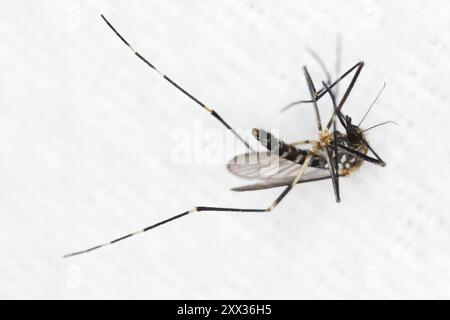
point(86, 140)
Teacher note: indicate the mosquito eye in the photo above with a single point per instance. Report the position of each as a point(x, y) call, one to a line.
point(354, 139)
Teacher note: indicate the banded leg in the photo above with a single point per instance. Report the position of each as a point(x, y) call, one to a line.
point(202, 208)
point(173, 83)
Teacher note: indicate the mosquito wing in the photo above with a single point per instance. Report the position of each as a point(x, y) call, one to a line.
point(315, 175)
point(261, 165)
point(269, 166)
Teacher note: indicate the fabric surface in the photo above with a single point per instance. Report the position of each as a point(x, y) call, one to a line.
point(90, 142)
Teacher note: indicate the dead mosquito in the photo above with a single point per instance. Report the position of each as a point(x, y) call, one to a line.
point(333, 155)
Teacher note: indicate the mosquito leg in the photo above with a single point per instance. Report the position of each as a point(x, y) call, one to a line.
point(335, 150)
point(128, 235)
point(337, 112)
point(294, 182)
point(333, 173)
point(333, 163)
point(338, 61)
point(197, 209)
point(290, 105)
point(361, 155)
point(382, 163)
point(322, 91)
point(322, 66)
point(358, 68)
point(173, 83)
point(202, 208)
point(336, 156)
point(313, 93)
point(346, 94)
point(262, 186)
point(296, 143)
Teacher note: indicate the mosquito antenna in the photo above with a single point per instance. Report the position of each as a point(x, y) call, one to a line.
point(173, 83)
point(373, 102)
point(380, 124)
point(129, 235)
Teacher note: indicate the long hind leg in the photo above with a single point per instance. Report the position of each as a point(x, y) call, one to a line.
point(210, 209)
point(211, 111)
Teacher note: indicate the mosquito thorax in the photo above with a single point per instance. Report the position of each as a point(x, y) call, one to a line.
point(354, 135)
point(325, 138)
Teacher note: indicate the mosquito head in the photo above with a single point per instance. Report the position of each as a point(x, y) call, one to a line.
point(354, 133)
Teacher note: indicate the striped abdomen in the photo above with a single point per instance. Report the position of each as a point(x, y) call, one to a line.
point(284, 150)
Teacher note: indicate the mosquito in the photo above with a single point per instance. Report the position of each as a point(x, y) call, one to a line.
point(339, 154)
point(333, 155)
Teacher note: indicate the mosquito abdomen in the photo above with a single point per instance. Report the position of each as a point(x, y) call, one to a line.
point(284, 150)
